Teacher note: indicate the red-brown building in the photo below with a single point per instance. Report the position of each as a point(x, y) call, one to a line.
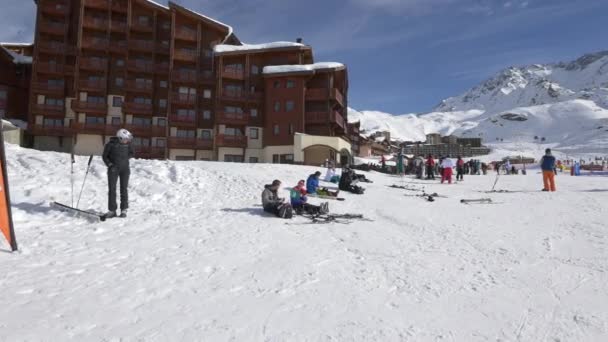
point(182, 83)
point(15, 73)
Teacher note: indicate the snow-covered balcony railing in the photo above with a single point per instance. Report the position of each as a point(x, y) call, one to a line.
point(184, 76)
point(139, 87)
point(59, 8)
point(183, 99)
point(231, 141)
point(137, 108)
point(141, 45)
point(92, 85)
point(56, 28)
point(141, 66)
point(54, 131)
point(95, 23)
point(95, 43)
point(99, 4)
point(90, 107)
point(49, 110)
point(185, 33)
point(232, 118)
point(147, 130)
point(95, 64)
point(49, 88)
point(182, 120)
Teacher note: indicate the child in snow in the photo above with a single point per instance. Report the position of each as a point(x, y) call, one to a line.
point(312, 186)
point(447, 164)
point(299, 201)
point(547, 164)
point(116, 155)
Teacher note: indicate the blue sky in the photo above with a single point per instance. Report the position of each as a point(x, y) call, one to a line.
point(403, 56)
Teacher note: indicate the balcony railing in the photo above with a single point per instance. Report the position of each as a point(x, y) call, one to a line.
point(89, 107)
point(50, 68)
point(183, 99)
point(135, 86)
point(52, 27)
point(48, 88)
point(99, 4)
point(182, 120)
point(233, 74)
point(326, 117)
point(163, 48)
point(207, 77)
point(234, 95)
point(232, 118)
point(162, 68)
point(49, 110)
point(52, 131)
point(185, 34)
point(204, 144)
point(231, 141)
point(120, 47)
point(137, 108)
point(185, 55)
point(257, 96)
point(52, 47)
point(183, 143)
point(54, 8)
point(318, 94)
point(92, 85)
point(119, 7)
point(336, 95)
point(93, 64)
point(137, 26)
point(141, 66)
point(149, 152)
point(95, 43)
point(141, 45)
point(118, 26)
point(184, 76)
point(148, 131)
point(90, 128)
point(95, 23)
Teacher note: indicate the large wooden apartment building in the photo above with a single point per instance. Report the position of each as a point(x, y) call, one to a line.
point(182, 83)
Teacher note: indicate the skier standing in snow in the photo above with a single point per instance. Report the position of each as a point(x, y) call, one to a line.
point(547, 164)
point(116, 155)
point(430, 165)
point(459, 169)
point(446, 164)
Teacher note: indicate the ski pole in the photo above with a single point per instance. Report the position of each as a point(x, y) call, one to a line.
point(496, 181)
point(72, 174)
point(85, 179)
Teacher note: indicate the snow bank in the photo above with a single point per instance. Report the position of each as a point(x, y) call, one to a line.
point(221, 48)
point(279, 69)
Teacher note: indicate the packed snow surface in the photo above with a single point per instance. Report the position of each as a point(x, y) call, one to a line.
point(278, 69)
point(247, 47)
point(197, 259)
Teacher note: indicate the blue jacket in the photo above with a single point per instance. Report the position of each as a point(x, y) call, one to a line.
point(547, 163)
point(312, 184)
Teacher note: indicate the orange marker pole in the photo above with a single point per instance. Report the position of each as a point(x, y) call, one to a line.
point(6, 218)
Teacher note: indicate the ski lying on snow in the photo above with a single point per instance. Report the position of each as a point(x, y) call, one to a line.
point(473, 201)
point(78, 212)
point(326, 197)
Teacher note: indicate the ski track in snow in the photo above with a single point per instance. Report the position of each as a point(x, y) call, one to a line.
point(197, 259)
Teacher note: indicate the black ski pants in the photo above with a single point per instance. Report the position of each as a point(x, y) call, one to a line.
point(459, 173)
point(114, 173)
point(430, 173)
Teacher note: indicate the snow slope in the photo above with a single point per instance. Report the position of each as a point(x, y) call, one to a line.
point(198, 260)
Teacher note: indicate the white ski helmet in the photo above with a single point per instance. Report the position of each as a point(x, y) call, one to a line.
point(123, 134)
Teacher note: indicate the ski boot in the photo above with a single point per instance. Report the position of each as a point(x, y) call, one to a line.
point(123, 213)
point(110, 214)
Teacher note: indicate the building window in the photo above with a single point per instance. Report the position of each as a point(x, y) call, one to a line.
point(115, 121)
point(116, 101)
point(145, 142)
point(277, 84)
point(53, 123)
point(286, 158)
point(275, 129)
point(206, 135)
point(291, 130)
point(186, 133)
point(206, 115)
point(120, 62)
point(119, 81)
point(162, 122)
point(253, 160)
point(253, 133)
point(232, 131)
point(186, 113)
point(53, 102)
point(145, 122)
point(163, 84)
point(277, 106)
point(162, 103)
point(142, 100)
point(275, 158)
point(255, 69)
point(207, 93)
point(95, 120)
point(233, 158)
point(291, 84)
point(161, 143)
point(253, 112)
point(289, 105)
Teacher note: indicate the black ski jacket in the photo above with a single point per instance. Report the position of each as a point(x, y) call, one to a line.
point(117, 154)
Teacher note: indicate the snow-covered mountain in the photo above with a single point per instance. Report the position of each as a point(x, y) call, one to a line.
point(564, 103)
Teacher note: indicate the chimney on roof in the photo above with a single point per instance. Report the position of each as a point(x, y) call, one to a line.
point(299, 40)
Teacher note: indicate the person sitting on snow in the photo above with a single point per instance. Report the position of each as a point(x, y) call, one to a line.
point(348, 180)
point(313, 188)
point(272, 203)
point(299, 201)
point(331, 176)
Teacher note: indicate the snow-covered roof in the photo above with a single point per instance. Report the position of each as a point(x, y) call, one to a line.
point(7, 126)
point(16, 44)
point(223, 48)
point(281, 69)
point(17, 57)
point(157, 4)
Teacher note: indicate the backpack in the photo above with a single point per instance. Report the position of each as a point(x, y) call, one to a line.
point(285, 211)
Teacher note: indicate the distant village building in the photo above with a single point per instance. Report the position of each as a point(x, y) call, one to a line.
point(450, 146)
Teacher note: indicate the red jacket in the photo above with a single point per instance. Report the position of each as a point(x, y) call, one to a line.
point(460, 163)
point(301, 189)
point(430, 162)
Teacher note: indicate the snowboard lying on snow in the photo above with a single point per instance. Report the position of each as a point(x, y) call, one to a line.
point(81, 213)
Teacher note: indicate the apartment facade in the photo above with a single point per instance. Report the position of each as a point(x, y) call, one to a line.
point(182, 83)
point(15, 74)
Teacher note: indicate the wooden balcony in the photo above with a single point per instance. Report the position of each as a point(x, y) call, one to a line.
point(204, 144)
point(162, 68)
point(93, 64)
point(147, 131)
point(241, 119)
point(183, 33)
point(95, 44)
point(139, 66)
point(185, 55)
point(55, 111)
point(92, 85)
point(118, 26)
point(207, 77)
point(50, 89)
point(139, 87)
point(99, 4)
point(141, 45)
point(52, 27)
point(231, 95)
point(162, 48)
point(183, 99)
point(326, 118)
point(337, 96)
point(52, 47)
point(317, 94)
point(256, 97)
point(89, 107)
point(233, 74)
point(119, 7)
point(239, 141)
point(95, 23)
point(112, 129)
point(149, 152)
point(184, 76)
point(137, 108)
point(137, 26)
point(51, 131)
point(182, 120)
point(182, 143)
point(58, 9)
point(120, 47)
point(50, 68)
point(88, 128)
